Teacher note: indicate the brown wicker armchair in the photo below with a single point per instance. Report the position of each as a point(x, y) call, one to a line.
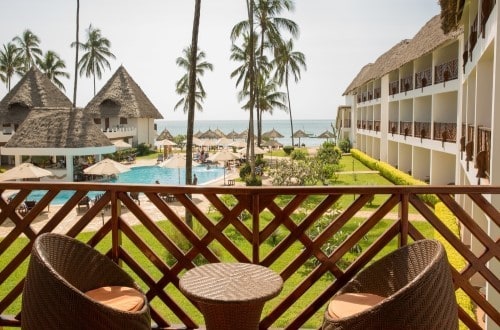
point(411, 288)
point(60, 272)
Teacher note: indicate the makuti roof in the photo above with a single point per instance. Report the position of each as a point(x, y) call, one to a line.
point(33, 90)
point(121, 96)
point(425, 41)
point(58, 128)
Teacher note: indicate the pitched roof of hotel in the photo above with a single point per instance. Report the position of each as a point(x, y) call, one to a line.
point(122, 92)
point(425, 41)
point(58, 128)
point(33, 90)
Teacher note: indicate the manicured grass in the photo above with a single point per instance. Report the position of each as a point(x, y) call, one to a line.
point(347, 164)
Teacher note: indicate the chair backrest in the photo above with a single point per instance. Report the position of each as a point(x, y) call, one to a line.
point(60, 271)
point(417, 283)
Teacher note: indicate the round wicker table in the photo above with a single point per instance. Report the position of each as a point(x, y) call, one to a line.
point(231, 295)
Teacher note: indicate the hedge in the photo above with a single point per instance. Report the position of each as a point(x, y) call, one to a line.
point(455, 258)
point(392, 174)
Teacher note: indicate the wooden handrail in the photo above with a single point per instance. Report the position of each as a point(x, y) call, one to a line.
point(291, 210)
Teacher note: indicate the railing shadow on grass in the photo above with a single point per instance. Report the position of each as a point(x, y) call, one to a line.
point(289, 229)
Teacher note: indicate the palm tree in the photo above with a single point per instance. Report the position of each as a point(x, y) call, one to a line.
point(29, 49)
point(191, 100)
point(181, 87)
point(270, 25)
point(52, 65)
point(76, 51)
point(288, 62)
point(97, 53)
point(10, 63)
point(268, 99)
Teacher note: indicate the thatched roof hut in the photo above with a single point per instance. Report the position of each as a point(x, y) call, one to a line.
point(57, 128)
point(34, 90)
point(165, 135)
point(122, 97)
point(425, 41)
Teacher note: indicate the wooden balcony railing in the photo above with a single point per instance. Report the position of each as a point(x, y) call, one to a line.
point(260, 225)
point(376, 92)
point(423, 78)
point(406, 128)
point(422, 129)
point(393, 127)
point(446, 71)
point(472, 36)
point(376, 125)
point(406, 84)
point(446, 132)
point(484, 148)
point(394, 87)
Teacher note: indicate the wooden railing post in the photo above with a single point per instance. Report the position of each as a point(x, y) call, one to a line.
point(255, 228)
point(403, 218)
point(115, 234)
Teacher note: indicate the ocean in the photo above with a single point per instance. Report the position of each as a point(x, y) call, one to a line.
point(313, 127)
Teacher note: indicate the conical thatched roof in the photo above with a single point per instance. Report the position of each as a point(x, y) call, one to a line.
point(425, 41)
point(58, 128)
point(122, 97)
point(164, 135)
point(33, 90)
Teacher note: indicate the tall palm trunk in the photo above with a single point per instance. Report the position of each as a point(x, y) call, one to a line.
point(191, 99)
point(251, 73)
point(289, 105)
point(77, 47)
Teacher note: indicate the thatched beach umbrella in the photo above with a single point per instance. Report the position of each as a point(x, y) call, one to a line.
point(220, 133)
point(177, 162)
point(238, 144)
point(300, 134)
point(232, 135)
point(209, 135)
point(197, 134)
point(272, 144)
point(326, 135)
point(120, 144)
point(222, 156)
point(272, 134)
point(257, 151)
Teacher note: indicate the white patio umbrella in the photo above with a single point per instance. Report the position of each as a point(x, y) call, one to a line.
point(120, 144)
point(238, 144)
point(257, 151)
point(106, 167)
point(224, 141)
point(223, 155)
point(25, 171)
point(177, 162)
point(167, 143)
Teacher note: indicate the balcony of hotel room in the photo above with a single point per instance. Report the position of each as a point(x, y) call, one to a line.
point(477, 126)
point(343, 121)
point(275, 225)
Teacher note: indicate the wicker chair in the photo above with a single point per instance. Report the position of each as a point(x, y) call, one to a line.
point(415, 287)
point(60, 271)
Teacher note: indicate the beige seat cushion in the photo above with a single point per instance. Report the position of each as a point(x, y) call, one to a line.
point(118, 297)
point(348, 304)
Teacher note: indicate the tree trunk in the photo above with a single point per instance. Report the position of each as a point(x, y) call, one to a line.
point(289, 106)
point(76, 55)
point(251, 73)
point(94, 84)
point(191, 100)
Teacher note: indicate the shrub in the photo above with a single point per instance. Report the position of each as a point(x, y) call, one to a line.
point(245, 170)
point(143, 150)
point(288, 149)
point(298, 154)
point(345, 145)
point(253, 181)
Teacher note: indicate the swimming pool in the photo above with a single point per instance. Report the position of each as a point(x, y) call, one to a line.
point(142, 175)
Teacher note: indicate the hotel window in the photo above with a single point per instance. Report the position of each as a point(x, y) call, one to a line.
point(97, 121)
point(123, 121)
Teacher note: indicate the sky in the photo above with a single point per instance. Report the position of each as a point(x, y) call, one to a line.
point(337, 37)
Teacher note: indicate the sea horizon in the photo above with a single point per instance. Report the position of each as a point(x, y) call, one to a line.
point(314, 127)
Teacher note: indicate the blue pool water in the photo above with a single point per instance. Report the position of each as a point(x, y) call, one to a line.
point(143, 175)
